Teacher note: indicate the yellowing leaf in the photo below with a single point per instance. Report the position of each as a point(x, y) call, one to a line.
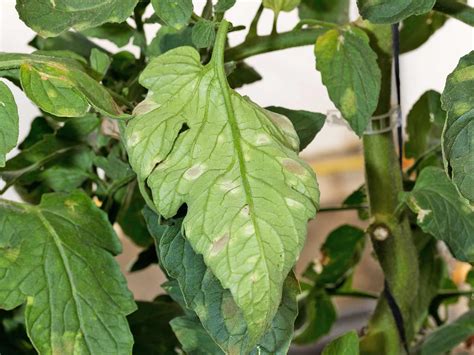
point(197, 142)
point(51, 17)
point(58, 259)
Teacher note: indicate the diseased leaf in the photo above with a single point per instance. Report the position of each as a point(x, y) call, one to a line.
point(325, 10)
point(58, 259)
point(442, 212)
point(204, 33)
point(248, 194)
point(351, 74)
point(204, 295)
point(174, 13)
point(458, 135)
point(390, 11)
point(416, 30)
point(346, 344)
point(448, 336)
point(49, 18)
point(150, 326)
point(319, 315)
point(281, 5)
point(425, 123)
point(60, 85)
point(8, 122)
point(307, 124)
point(242, 74)
point(117, 33)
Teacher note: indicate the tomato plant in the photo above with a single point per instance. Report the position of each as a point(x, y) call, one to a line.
point(211, 186)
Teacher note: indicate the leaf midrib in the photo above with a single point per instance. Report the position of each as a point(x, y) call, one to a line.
point(236, 140)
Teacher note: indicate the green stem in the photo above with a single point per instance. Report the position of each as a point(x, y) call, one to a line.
point(220, 44)
point(354, 294)
point(263, 44)
point(457, 10)
point(396, 254)
point(343, 208)
point(253, 26)
point(141, 32)
point(422, 158)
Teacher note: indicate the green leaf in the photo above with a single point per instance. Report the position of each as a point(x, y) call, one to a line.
point(204, 33)
point(100, 62)
point(341, 251)
point(416, 30)
point(389, 11)
point(281, 5)
point(319, 315)
point(242, 74)
point(168, 38)
point(8, 122)
point(458, 135)
point(39, 128)
point(50, 18)
point(117, 33)
point(237, 170)
point(204, 295)
point(346, 344)
point(307, 124)
point(351, 74)
point(150, 327)
point(224, 5)
point(442, 212)
point(58, 259)
point(431, 266)
point(193, 337)
point(448, 336)
point(425, 123)
point(325, 10)
point(174, 13)
point(356, 199)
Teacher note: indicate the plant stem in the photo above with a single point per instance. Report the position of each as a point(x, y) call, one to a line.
point(422, 157)
point(262, 44)
point(354, 294)
point(343, 208)
point(396, 254)
point(141, 32)
point(457, 10)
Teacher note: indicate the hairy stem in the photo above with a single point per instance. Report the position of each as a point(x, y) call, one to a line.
point(396, 253)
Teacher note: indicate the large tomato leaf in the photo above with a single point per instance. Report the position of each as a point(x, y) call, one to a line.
point(197, 142)
point(8, 122)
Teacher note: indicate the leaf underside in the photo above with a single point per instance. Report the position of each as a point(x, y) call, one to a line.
point(195, 141)
point(58, 259)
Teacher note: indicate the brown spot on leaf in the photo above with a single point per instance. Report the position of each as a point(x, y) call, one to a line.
point(220, 244)
point(293, 166)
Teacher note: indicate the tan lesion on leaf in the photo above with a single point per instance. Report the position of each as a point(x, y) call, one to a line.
point(220, 244)
point(293, 166)
point(349, 102)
